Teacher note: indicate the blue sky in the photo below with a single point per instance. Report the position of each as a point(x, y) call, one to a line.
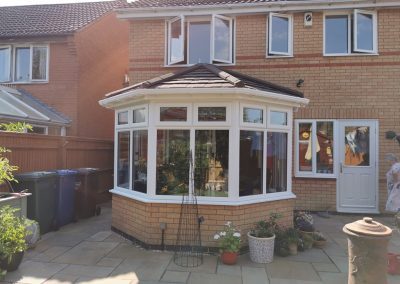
point(33, 2)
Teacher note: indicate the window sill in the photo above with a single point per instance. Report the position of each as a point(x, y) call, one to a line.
point(279, 56)
point(188, 65)
point(351, 54)
point(204, 200)
point(316, 176)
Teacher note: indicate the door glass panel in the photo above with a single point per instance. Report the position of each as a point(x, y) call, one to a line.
point(324, 145)
point(277, 145)
point(251, 163)
point(123, 159)
point(357, 148)
point(211, 114)
point(211, 163)
point(305, 147)
point(172, 171)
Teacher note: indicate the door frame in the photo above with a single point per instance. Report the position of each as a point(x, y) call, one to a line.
point(374, 122)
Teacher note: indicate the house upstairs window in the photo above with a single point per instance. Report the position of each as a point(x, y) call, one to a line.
point(23, 63)
point(350, 33)
point(280, 35)
point(200, 40)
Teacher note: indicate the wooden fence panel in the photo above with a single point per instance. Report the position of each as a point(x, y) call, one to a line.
point(33, 152)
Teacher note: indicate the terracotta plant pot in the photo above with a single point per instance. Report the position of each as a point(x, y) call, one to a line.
point(229, 258)
point(292, 248)
point(319, 244)
point(13, 263)
point(261, 249)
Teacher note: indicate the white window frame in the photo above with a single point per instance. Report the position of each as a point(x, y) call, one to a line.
point(189, 117)
point(289, 114)
point(118, 126)
point(350, 32)
point(225, 123)
point(47, 62)
point(313, 173)
point(146, 114)
point(270, 52)
point(374, 31)
point(169, 23)
point(251, 124)
point(46, 129)
point(9, 47)
point(230, 20)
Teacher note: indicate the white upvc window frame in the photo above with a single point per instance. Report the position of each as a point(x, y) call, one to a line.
point(289, 117)
point(313, 173)
point(46, 129)
point(146, 115)
point(225, 123)
point(374, 31)
point(10, 53)
point(351, 50)
point(169, 24)
point(128, 111)
point(189, 115)
point(251, 124)
point(270, 53)
point(127, 129)
point(230, 20)
point(47, 62)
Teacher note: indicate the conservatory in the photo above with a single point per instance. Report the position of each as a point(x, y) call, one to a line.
point(221, 135)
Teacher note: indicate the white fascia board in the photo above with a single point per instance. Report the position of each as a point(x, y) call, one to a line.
point(251, 8)
point(125, 99)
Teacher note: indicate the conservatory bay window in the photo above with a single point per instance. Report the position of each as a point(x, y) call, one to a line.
point(195, 40)
point(315, 148)
point(347, 33)
point(280, 36)
point(5, 64)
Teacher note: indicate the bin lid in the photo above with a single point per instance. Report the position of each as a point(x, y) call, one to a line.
point(367, 226)
point(34, 175)
point(66, 172)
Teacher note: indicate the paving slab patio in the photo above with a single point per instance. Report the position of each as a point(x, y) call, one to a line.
point(89, 252)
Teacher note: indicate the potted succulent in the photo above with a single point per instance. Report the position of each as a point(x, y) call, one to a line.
point(229, 243)
point(319, 240)
point(262, 240)
point(292, 237)
point(12, 238)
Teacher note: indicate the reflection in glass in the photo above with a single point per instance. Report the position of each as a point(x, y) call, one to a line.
point(123, 159)
point(278, 117)
point(172, 169)
point(22, 64)
point(211, 162)
point(251, 163)
point(305, 147)
point(280, 34)
point(252, 115)
point(139, 160)
point(324, 147)
point(199, 42)
point(173, 113)
point(222, 39)
point(365, 32)
point(123, 117)
point(276, 162)
point(336, 34)
point(357, 146)
point(139, 115)
point(211, 114)
point(5, 59)
point(176, 41)
point(39, 63)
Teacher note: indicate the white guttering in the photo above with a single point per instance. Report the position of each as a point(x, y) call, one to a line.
point(185, 93)
point(251, 8)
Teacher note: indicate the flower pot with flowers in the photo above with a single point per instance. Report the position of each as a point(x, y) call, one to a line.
point(229, 243)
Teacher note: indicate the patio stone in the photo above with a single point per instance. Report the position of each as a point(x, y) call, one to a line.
point(209, 266)
point(51, 253)
point(325, 267)
point(284, 269)
point(86, 270)
point(34, 272)
point(88, 253)
point(244, 260)
point(125, 250)
point(254, 275)
point(333, 278)
point(229, 269)
point(60, 278)
point(202, 278)
point(294, 281)
point(108, 280)
point(333, 249)
point(109, 262)
point(393, 279)
point(311, 255)
point(175, 276)
point(100, 236)
point(341, 262)
point(66, 239)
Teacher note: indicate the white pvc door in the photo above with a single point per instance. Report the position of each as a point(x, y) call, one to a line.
point(357, 186)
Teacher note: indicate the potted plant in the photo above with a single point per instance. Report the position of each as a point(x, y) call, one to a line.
point(292, 237)
point(262, 240)
point(229, 243)
point(308, 241)
point(304, 223)
point(12, 238)
point(319, 240)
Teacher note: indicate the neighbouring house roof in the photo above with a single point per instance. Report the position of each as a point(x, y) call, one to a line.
point(209, 76)
point(50, 20)
point(19, 105)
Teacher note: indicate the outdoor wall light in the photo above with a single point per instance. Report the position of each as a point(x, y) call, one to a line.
point(300, 83)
